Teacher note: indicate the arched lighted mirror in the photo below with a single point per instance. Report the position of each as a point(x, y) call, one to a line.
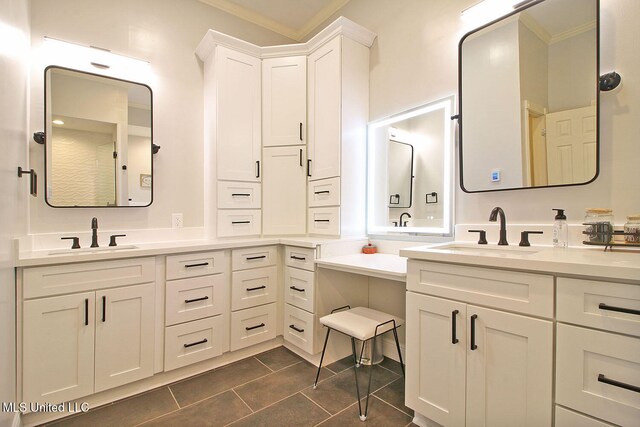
point(410, 174)
point(98, 144)
point(529, 98)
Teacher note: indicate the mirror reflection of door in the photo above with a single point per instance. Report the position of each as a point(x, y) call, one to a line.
point(400, 174)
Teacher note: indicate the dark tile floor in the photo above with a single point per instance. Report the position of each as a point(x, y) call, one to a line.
point(269, 389)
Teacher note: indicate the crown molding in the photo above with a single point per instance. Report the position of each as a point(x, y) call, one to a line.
point(341, 26)
point(587, 26)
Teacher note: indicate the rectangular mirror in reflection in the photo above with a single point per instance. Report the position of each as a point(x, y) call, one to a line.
point(99, 140)
point(410, 171)
point(529, 98)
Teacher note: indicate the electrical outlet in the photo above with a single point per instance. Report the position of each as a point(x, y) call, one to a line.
point(176, 220)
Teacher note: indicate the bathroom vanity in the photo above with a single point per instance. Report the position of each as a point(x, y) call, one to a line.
point(540, 335)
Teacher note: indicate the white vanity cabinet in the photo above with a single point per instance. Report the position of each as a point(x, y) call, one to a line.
point(254, 294)
point(196, 307)
point(284, 191)
point(479, 365)
point(85, 327)
point(284, 101)
point(598, 349)
point(300, 318)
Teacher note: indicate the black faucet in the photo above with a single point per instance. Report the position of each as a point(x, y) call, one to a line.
point(94, 236)
point(403, 224)
point(503, 224)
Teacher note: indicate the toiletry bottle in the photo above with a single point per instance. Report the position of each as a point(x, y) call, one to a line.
point(560, 230)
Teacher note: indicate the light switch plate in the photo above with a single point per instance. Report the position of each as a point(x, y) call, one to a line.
point(176, 220)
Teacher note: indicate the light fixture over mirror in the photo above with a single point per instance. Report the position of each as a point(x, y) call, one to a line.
point(98, 144)
point(410, 172)
point(529, 98)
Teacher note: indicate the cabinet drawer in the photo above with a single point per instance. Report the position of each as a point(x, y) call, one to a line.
point(579, 302)
point(239, 223)
point(568, 418)
point(193, 342)
point(242, 259)
point(324, 221)
point(68, 278)
point(253, 326)
point(299, 289)
point(304, 258)
point(582, 357)
point(299, 328)
point(521, 292)
point(254, 287)
point(239, 195)
point(325, 192)
point(196, 298)
point(197, 264)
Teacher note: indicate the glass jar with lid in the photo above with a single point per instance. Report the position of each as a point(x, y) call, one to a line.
point(598, 224)
point(632, 229)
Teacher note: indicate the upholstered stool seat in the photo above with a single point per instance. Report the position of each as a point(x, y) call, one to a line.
point(364, 324)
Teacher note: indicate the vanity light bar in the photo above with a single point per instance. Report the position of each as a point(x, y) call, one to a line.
point(92, 59)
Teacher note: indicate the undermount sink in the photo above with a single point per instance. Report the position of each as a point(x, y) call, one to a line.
point(492, 250)
point(92, 250)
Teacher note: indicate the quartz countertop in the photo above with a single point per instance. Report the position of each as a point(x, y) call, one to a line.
point(590, 262)
point(384, 266)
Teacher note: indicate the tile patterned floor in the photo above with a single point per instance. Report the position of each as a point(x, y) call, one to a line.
point(269, 389)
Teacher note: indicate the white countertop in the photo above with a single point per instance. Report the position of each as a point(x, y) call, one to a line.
point(43, 257)
point(384, 266)
point(590, 262)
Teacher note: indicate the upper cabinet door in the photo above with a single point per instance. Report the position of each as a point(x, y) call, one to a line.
point(325, 125)
point(238, 115)
point(284, 101)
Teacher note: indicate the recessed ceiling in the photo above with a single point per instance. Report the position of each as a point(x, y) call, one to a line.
point(294, 19)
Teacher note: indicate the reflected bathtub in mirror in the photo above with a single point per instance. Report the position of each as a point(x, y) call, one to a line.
point(98, 149)
point(529, 98)
point(409, 158)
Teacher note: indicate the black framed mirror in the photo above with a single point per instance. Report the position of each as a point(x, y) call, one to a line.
point(98, 140)
point(528, 98)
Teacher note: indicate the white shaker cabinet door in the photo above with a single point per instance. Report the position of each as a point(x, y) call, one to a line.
point(284, 101)
point(238, 115)
point(325, 112)
point(284, 190)
point(58, 352)
point(124, 335)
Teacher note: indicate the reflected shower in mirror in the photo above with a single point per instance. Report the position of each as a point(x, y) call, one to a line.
point(99, 140)
point(529, 99)
point(409, 171)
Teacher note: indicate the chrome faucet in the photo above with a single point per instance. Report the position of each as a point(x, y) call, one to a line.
point(94, 235)
point(503, 224)
point(403, 224)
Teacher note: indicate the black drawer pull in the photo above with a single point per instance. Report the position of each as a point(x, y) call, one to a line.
point(322, 192)
point(187, 301)
point(454, 338)
point(296, 289)
point(249, 258)
point(86, 312)
point(258, 167)
point(104, 308)
point(240, 222)
point(308, 167)
point(200, 264)
point(473, 332)
point(256, 288)
point(301, 157)
point(603, 306)
point(296, 329)
point(299, 258)
point(196, 343)
point(240, 194)
point(322, 220)
point(248, 328)
point(301, 133)
point(603, 379)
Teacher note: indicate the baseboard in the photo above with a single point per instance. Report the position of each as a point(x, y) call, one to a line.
point(422, 421)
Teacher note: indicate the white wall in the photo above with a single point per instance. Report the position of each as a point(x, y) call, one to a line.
point(14, 45)
point(164, 32)
point(414, 60)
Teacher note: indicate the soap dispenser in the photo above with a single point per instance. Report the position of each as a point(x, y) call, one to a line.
point(560, 230)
